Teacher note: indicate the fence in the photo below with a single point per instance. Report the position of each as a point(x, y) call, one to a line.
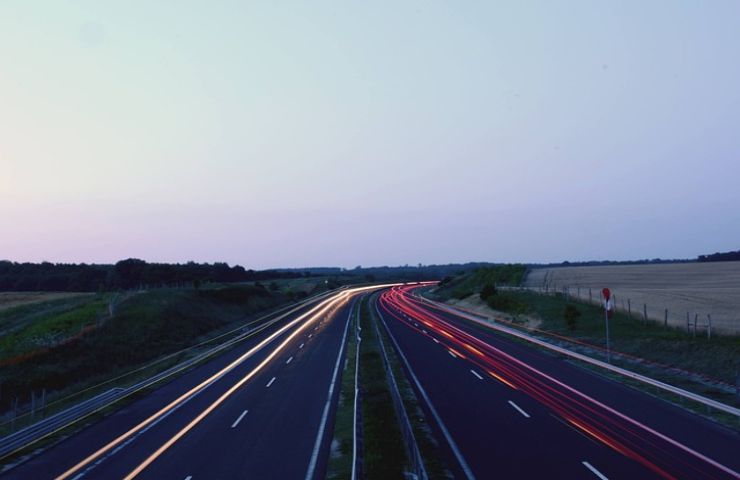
point(696, 323)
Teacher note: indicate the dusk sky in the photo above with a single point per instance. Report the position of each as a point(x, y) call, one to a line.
point(279, 133)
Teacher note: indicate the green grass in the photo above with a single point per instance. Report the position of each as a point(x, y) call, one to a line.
point(340, 460)
point(465, 285)
point(428, 445)
point(384, 455)
point(718, 357)
point(145, 327)
point(35, 327)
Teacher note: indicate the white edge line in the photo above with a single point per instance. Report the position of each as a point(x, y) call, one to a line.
point(594, 471)
point(320, 434)
point(233, 425)
point(518, 409)
point(453, 446)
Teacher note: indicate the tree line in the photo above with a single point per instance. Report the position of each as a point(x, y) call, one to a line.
point(721, 257)
point(126, 274)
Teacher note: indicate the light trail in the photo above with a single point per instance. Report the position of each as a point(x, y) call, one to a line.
point(657, 452)
point(308, 317)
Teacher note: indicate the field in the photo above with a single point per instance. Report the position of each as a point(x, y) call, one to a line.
point(695, 288)
point(14, 299)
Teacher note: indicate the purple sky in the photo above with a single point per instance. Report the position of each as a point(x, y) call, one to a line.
point(323, 133)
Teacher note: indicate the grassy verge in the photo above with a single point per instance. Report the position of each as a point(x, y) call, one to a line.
point(384, 455)
point(144, 328)
point(340, 459)
point(428, 445)
point(704, 366)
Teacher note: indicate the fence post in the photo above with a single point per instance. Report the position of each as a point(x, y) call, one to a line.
point(665, 319)
point(629, 308)
point(644, 312)
point(590, 296)
point(688, 323)
point(696, 320)
point(709, 325)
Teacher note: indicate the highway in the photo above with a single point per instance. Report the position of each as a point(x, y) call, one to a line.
point(261, 410)
point(506, 410)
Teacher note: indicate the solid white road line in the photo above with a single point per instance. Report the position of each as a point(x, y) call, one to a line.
point(270, 382)
point(594, 471)
point(289, 360)
point(239, 419)
point(452, 354)
point(322, 426)
point(301, 345)
point(476, 374)
point(518, 409)
point(455, 450)
point(435, 340)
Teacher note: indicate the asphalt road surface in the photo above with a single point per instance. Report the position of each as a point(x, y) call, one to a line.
point(269, 416)
point(507, 410)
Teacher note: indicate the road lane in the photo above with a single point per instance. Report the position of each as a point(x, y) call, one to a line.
point(553, 441)
point(124, 458)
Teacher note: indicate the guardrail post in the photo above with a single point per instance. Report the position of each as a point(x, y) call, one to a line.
point(629, 308)
point(590, 296)
point(688, 323)
point(644, 312)
point(665, 319)
point(696, 320)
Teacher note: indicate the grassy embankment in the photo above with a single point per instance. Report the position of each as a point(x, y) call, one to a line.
point(71, 345)
point(383, 451)
point(717, 358)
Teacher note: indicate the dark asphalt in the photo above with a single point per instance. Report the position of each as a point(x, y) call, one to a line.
point(275, 439)
point(497, 441)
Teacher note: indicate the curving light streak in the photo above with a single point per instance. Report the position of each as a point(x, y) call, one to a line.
point(661, 454)
point(310, 317)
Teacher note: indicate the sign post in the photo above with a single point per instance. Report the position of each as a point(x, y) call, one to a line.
point(608, 307)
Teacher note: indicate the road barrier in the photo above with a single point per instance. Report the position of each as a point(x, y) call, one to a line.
point(490, 323)
point(21, 439)
point(412, 448)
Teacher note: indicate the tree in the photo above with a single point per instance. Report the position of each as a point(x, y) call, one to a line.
point(487, 291)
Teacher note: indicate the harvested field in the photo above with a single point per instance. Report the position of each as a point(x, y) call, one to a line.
point(695, 288)
point(14, 299)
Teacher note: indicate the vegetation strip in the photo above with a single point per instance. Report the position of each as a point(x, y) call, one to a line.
point(383, 448)
point(412, 448)
point(340, 459)
point(150, 382)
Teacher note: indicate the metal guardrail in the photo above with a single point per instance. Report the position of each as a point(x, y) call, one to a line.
point(412, 447)
point(592, 361)
point(55, 422)
point(21, 439)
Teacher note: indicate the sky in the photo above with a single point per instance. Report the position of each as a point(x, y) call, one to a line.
point(294, 134)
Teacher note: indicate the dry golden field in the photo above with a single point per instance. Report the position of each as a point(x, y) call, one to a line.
point(697, 288)
point(13, 299)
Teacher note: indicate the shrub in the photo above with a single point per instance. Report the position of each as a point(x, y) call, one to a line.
point(571, 314)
